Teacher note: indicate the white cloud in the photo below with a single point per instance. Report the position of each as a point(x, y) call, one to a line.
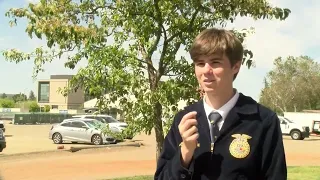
point(295, 36)
point(283, 38)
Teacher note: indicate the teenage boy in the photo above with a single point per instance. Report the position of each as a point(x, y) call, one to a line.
point(226, 135)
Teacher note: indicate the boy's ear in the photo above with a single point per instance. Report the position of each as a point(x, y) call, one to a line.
point(236, 67)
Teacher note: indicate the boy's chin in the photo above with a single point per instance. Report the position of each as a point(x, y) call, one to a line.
point(208, 90)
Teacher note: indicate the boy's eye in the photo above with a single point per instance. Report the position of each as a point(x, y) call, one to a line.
point(200, 64)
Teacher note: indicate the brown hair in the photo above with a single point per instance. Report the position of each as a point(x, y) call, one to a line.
point(217, 41)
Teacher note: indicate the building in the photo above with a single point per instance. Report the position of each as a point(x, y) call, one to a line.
point(48, 94)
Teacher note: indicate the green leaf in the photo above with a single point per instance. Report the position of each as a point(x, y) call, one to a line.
point(146, 37)
point(50, 43)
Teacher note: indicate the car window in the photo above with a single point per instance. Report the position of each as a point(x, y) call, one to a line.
point(110, 120)
point(288, 120)
point(77, 124)
point(101, 119)
point(94, 124)
point(67, 124)
point(97, 118)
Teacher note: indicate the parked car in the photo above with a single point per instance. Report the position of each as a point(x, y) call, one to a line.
point(2, 126)
point(3, 143)
point(79, 130)
point(296, 131)
point(114, 124)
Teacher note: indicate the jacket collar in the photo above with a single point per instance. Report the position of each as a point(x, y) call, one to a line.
point(244, 106)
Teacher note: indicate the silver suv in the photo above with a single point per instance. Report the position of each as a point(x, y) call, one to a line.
point(79, 130)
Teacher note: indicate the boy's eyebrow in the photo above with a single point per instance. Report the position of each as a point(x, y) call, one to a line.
point(216, 58)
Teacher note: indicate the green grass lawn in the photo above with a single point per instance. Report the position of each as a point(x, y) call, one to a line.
point(294, 173)
point(301, 172)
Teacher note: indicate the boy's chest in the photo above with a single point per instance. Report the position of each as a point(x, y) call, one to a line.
point(238, 149)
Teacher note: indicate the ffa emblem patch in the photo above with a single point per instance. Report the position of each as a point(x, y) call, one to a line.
point(239, 147)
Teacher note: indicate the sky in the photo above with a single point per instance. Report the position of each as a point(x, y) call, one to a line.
point(295, 36)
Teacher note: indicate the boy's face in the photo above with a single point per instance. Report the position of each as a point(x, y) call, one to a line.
point(215, 74)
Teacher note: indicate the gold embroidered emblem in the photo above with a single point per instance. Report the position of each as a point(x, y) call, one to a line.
point(239, 147)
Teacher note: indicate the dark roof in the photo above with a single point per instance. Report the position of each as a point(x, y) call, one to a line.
point(61, 76)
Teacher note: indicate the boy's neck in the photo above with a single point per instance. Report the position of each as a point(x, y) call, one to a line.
point(216, 101)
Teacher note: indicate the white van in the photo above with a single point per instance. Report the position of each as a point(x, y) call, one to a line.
point(296, 131)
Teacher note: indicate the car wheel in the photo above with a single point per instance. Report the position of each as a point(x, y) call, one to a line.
point(57, 138)
point(96, 139)
point(1, 149)
point(295, 135)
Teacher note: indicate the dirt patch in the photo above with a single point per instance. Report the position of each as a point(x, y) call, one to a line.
point(108, 162)
point(86, 164)
point(302, 153)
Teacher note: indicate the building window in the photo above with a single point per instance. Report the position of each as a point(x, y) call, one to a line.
point(43, 92)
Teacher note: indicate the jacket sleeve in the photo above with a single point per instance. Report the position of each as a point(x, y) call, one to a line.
point(274, 165)
point(169, 166)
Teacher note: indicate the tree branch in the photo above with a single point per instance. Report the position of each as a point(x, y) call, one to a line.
point(164, 65)
point(194, 15)
point(160, 26)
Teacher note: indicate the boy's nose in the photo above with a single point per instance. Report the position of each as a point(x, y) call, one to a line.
point(208, 68)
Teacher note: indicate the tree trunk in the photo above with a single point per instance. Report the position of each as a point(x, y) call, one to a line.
point(158, 129)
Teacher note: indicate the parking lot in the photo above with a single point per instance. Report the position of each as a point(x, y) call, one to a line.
point(30, 138)
point(103, 163)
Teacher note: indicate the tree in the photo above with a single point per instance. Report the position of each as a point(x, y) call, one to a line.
point(34, 107)
point(292, 85)
point(32, 97)
point(139, 67)
point(6, 103)
point(46, 108)
point(3, 96)
point(19, 97)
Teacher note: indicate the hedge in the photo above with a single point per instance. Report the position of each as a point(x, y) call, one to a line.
point(40, 118)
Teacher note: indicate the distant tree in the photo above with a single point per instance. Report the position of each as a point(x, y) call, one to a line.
point(46, 108)
point(3, 96)
point(32, 97)
point(293, 85)
point(19, 97)
point(34, 107)
point(7, 103)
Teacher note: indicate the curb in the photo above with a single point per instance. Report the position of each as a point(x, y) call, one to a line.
point(71, 149)
point(32, 153)
point(78, 148)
